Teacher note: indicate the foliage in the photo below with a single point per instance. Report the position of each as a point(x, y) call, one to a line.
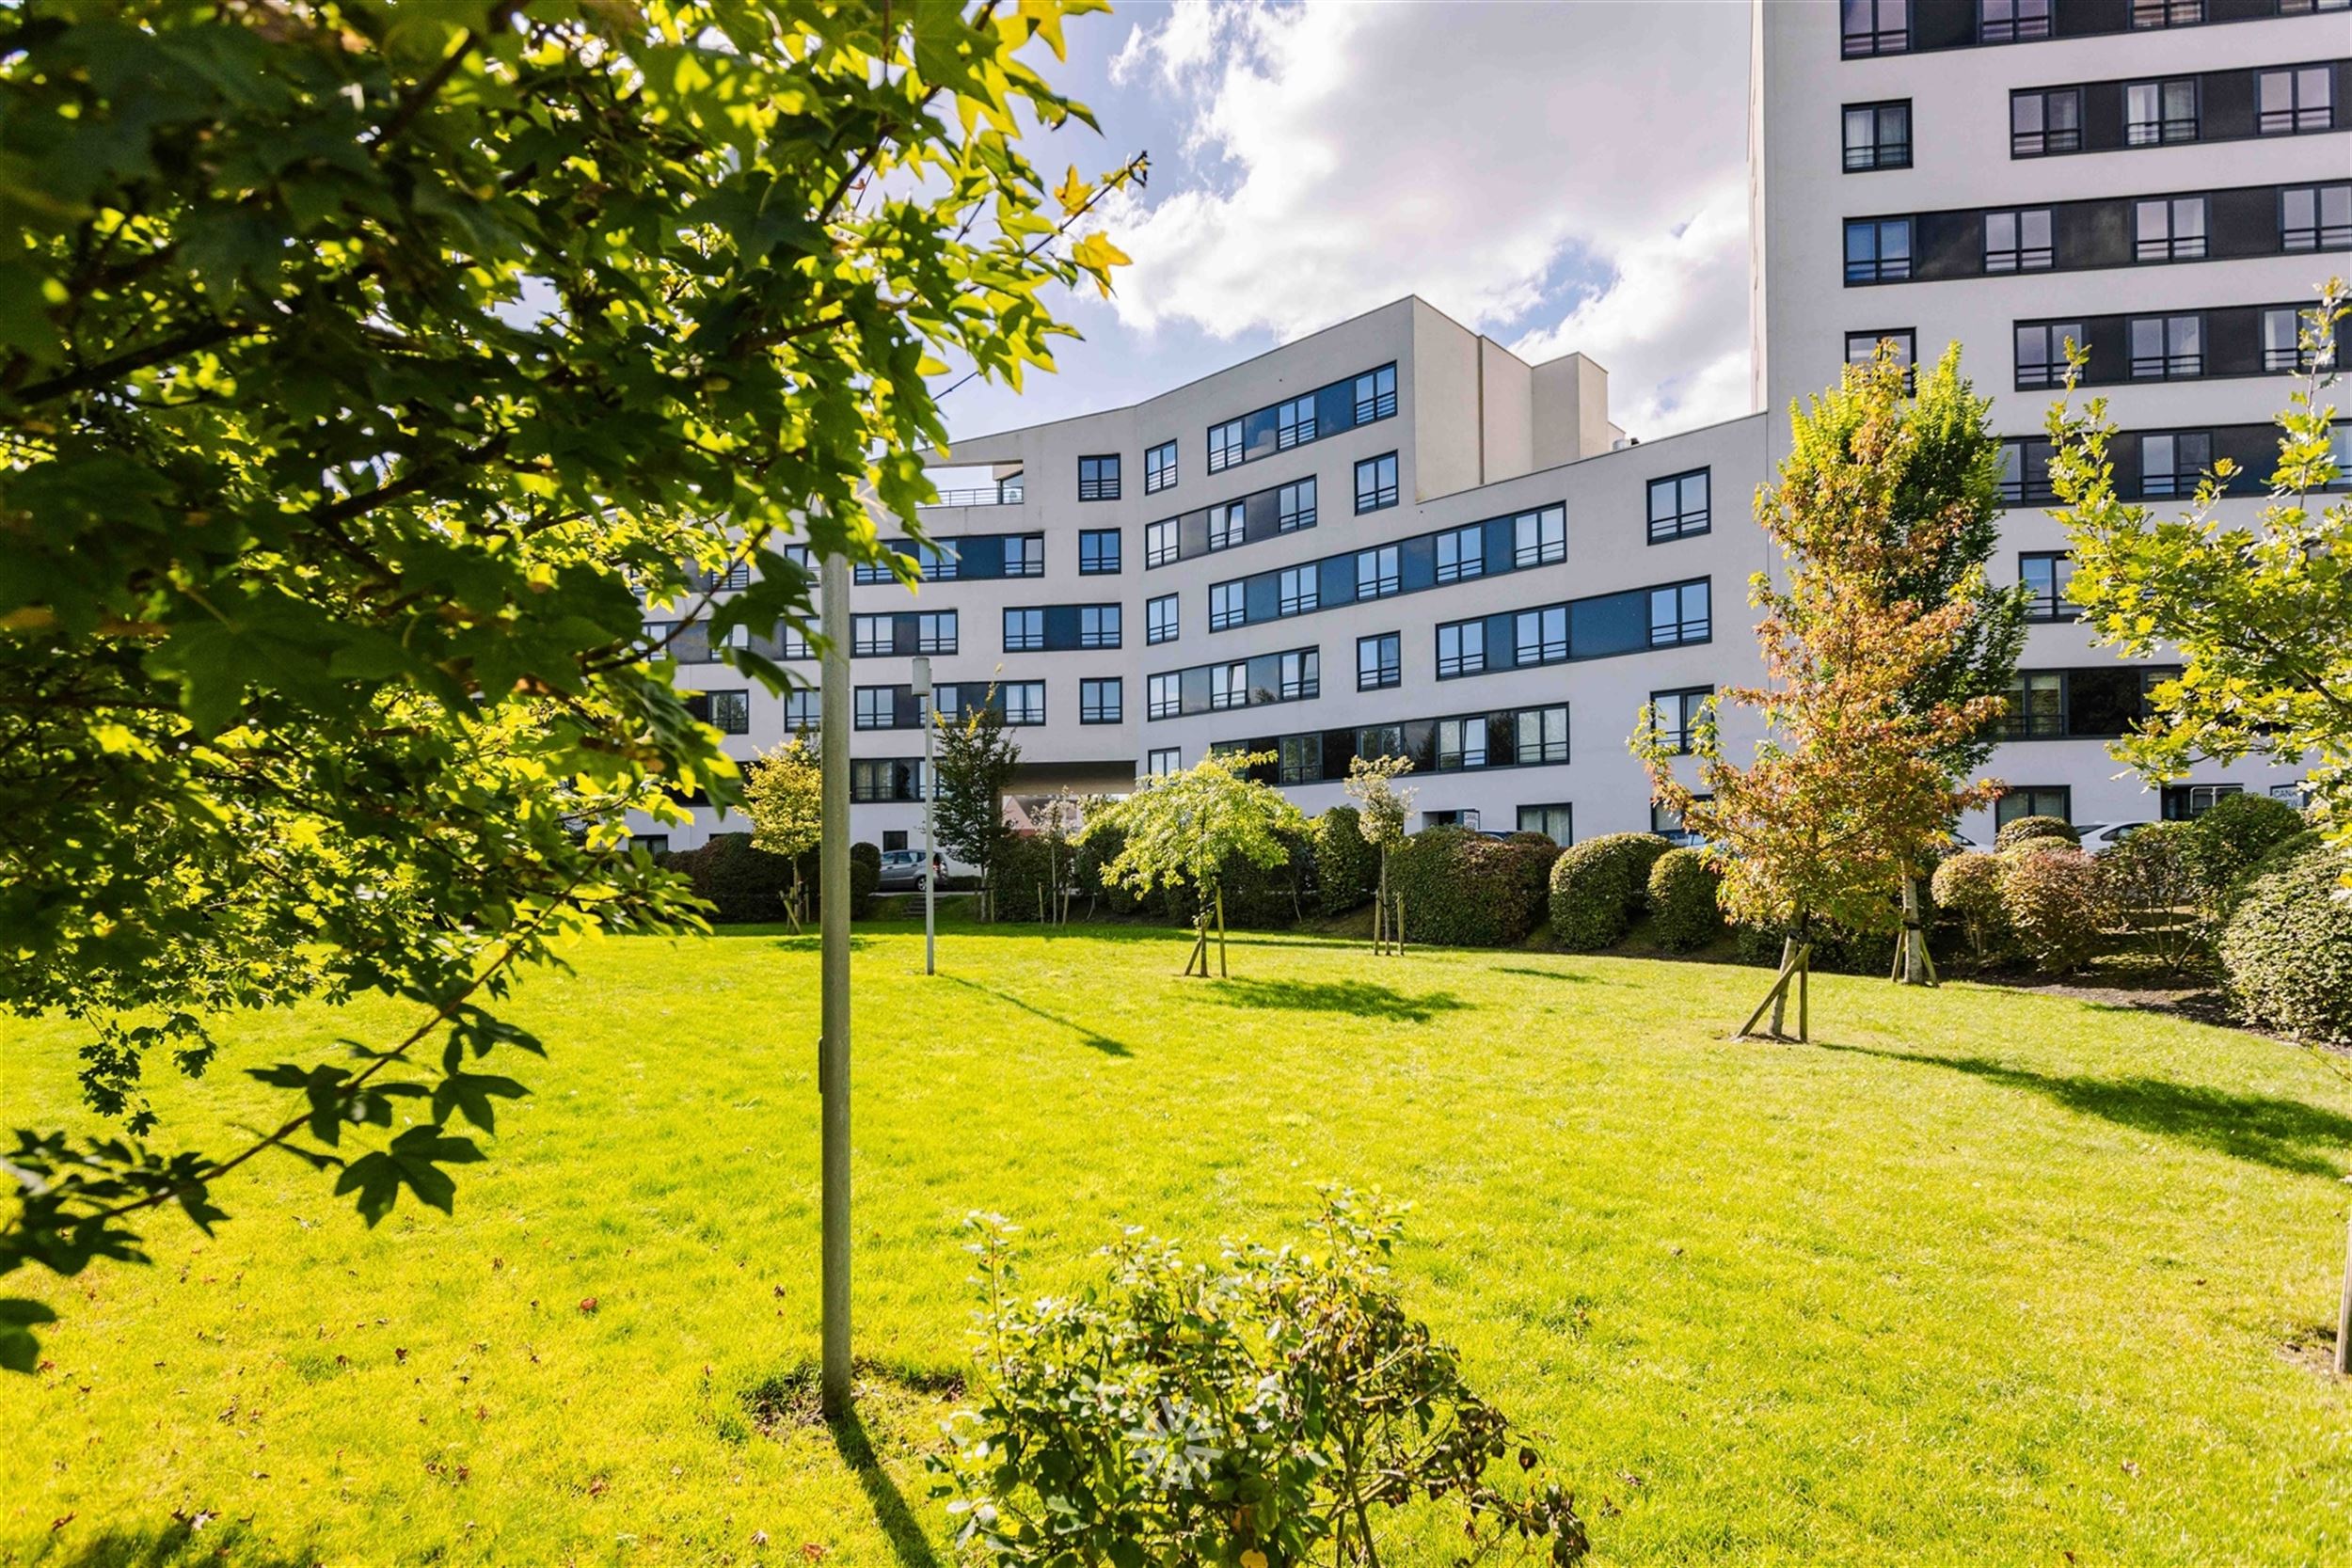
point(977, 757)
point(1265, 1408)
point(2153, 885)
point(739, 880)
point(1093, 852)
point(2232, 837)
point(1461, 888)
point(2259, 616)
point(1970, 885)
point(1185, 830)
point(364, 371)
point(784, 794)
point(1030, 874)
point(1381, 807)
point(1600, 885)
point(1347, 867)
point(1684, 915)
point(2287, 948)
point(2056, 901)
point(2022, 830)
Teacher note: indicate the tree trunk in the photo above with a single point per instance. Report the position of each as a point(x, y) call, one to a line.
point(1221, 970)
point(1380, 907)
point(1911, 953)
point(2343, 1314)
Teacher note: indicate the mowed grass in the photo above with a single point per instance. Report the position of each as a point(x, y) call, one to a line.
point(1980, 1276)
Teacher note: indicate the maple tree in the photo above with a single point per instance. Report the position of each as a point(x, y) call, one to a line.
point(784, 794)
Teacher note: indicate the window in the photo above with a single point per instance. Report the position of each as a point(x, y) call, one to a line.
point(652, 843)
point(1461, 553)
point(1025, 702)
point(2185, 803)
point(2165, 348)
point(1539, 538)
point(2315, 217)
point(893, 838)
point(1380, 661)
point(1225, 448)
point(728, 712)
point(1299, 675)
point(803, 706)
point(1025, 631)
point(1163, 696)
point(1098, 478)
point(1462, 742)
point(2043, 121)
point(1380, 741)
point(1101, 702)
point(1555, 822)
point(2300, 98)
point(877, 708)
point(2340, 451)
point(1376, 394)
point(1294, 423)
point(1677, 506)
point(658, 634)
point(1024, 555)
point(1543, 734)
point(2308, 8)
point(1461, 649)
point(1295, 589)
point(2042, 353)
point(1159, 619)
point(1097, 552)
point(1678, 614)
point(1876, 27)
point(871, 634)
point(2026, 469)
point(1159, 544)
point(2158, 112)
point(2018, 241)
point(2173, 463)
point(1878, 135)
point(1679, 713)
point(1902, 343)
point(876, 779)
point(1159, 468)
point(2167, 13)
point(2169, 229)
point(1161, 761)
point(937, 562)
point(1667, 824)
point(1878, 250)
point(2022, 801)
point(735, 574)
point(1375, 482)
point(1539, 636)
point(1228, 526)
point(2104, 700)
point(793, 643)
point(1226, 606)
point(2283, 340)
point(866, 573)
point(1098, 625)
point(2047, 575)
point(1229, 685)
point(2009, 21)
point(1295, 505)
point(1379, 573)
point(1300, 759)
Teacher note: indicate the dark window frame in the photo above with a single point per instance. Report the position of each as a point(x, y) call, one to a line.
point(1383, 492)
point(1154, 632)
point(1685, 522)
point(1103, 484)
point(1882, 152)
point(1875, 35)
point(1388, 661)
point(1877, 267)
point(2048, 607)
point(1159, 466)
point(1092, 709)
point(1104, 564)
point(2047, 140)
point(1686, 713)
point(2022, 256)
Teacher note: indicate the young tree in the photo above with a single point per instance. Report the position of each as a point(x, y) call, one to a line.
point(364, 370)
point(976, 760)
point(1179, 831)
point(1381, 812)
point(784, 792)
point(1851, 786)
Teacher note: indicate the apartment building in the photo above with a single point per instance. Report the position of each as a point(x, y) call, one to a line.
point(1394, 535)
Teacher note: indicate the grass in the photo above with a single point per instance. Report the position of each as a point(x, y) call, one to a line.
point(1980, 1276)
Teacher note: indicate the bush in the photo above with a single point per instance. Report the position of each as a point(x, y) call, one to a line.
point(1347, 869)
point(1970, 885)
point(2057, 904)
point(743, 884)
point(1022, 874)
point(1101, 848)
point(863, 853)
point(1837, 949)
point(1600, 885)
point(2287, 949)
point(1461, 888)
point(1682, 909)
point(2011, 834)
point(2232, 837)
point(2153, 884)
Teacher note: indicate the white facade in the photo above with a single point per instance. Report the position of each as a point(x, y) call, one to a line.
point(1583, 601)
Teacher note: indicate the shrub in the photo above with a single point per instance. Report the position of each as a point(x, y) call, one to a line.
point(1600, 885)
point(1682, 909)
point(1095, 852)
point(863, 853)
point(1268, 1405)
point(2287, 949)
point(1022, 874)
point(2232, 837)
point(1256, 897)
point(1970, 885)
point(1837, 949)
point(1347, 869)
point(2152, 883)
point(744, 884)
point(1461, 888)
point(2011, 834)
point(2057, 904)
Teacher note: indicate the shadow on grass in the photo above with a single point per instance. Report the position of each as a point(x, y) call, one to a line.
point(1089, 1036)
point(2284, 1134)
point(1356, 998)
point(176, 1545)
point(1544, 974)
point(882, 1494)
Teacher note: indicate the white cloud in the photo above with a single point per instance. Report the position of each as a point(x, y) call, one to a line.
point(1568, 176)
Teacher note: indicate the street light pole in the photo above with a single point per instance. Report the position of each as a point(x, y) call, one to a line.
point(931, 855)
point(833, 1051)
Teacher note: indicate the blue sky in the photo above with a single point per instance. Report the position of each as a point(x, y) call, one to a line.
point(1560, 176)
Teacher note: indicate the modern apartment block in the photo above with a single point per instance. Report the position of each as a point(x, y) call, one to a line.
point(1395, 536)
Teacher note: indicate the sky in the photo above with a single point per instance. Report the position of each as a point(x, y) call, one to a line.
point(1562, 177)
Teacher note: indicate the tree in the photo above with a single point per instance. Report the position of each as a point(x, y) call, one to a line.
point(784, 793)
point(1382, 808)
point(364, 371)
point(976, 760)
point(1181, 829)
point(1850, 788)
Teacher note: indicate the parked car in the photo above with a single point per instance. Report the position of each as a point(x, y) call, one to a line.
point(2099, 835)
point(902, 871)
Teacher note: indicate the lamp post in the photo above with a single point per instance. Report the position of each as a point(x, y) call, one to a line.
point(922, 683)
point(832, 1051)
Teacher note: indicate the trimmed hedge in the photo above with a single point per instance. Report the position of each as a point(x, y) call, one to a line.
point(1347, 869)
point(2056, 898)
point(1600, 885)
point(2232, 837)
point(1461, 888)
point(746, 885)
point(2011, 834)
point(1682, 909)
point(2287, 950)
point(1970, 885)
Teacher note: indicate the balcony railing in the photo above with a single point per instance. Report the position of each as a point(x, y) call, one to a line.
point(985, 494)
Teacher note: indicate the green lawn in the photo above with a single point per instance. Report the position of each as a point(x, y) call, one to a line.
point(1980, 1276)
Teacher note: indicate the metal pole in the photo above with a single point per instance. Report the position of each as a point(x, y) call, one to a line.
point(931, 854)
point(833, 1053)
